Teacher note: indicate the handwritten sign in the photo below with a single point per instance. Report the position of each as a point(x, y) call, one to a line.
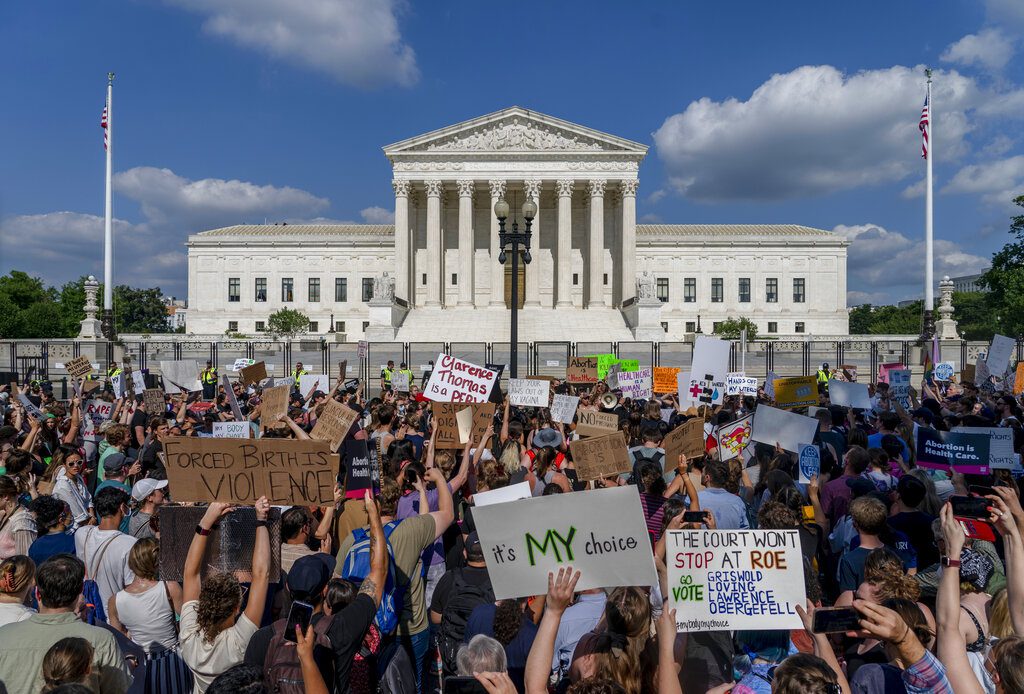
point(563, 408)
point(796, 391)
point(738, 383)
point(591, 423)
point(334, 423)
point(231, 430)
point(444, 414)
point(788, 429)
point(78, 367)
point(582, 370)
point(254, 373)
point(275, 406)
point(943, 371)
point(455, 380)
point(849, 394)
point(528, 392)
point(733, 438)
point(601, 533)
point(899, 386)
point(687, 438)
point(810, 462)
point(400, 382)
point(665, 379)
point(600, 457)
point(286, 471)
point(636, 384)
point(153, 399)
point(723, 580)
point(969, 453)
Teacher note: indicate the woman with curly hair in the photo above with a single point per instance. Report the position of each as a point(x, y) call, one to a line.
point(211, 640)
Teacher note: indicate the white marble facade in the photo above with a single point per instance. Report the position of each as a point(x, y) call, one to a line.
point(587, 248)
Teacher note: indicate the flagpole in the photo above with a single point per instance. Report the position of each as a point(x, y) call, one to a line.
point(929, 290)
point(108, 226)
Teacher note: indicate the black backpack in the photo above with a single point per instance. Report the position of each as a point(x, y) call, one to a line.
point(462, 600)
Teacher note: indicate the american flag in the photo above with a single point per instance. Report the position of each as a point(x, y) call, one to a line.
point(103, 124)
point(924, 126)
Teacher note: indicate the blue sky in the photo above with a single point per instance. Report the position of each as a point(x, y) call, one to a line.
point(232, 111)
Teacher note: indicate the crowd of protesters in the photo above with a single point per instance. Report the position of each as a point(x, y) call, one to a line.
point(398, 586)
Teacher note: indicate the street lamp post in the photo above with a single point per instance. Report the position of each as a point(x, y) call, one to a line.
point(514, 238)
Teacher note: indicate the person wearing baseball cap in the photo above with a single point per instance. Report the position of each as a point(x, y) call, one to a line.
point(148, 495)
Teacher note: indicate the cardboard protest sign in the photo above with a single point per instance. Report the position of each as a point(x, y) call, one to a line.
point(723, 580)
point(687, 438)
point(400, 382)
point(636, 384)
point(601, 533)
point(884, 369)
point(360, 474)
point(241, 363)
point(444, 415)
point(334, 423)
point(464, 422)
point(1000, 445)
point(528, 392)
point(788, 429)
point(513, 492)
point(738, 383)
point(968, 453)
point(592, 423)
point(229, 392)
point(810, 462)
point(1018, 381)
point(181, 376)
point(899, 386)
point(601, 456)
point(733, 438)
point(95, 413)
point(254, 373)
point(665, 379)
point(231, 430)
point(1000, 353)
point(78, 367)
point(309, 382)
point(849, 394)
point(286, 471)
point(943, 371)
point(796, 391)
point(563, 408)
point(581, 370)
point(708, 372)
point(456, 380)
point(275, 406)
point(153, 399)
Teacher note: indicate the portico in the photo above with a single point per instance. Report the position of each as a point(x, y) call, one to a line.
point(446, 238)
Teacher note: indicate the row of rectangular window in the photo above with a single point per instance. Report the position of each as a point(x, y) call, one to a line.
point(771, 290)
point(288, 289)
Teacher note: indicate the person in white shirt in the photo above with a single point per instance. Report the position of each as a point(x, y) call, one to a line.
point(103, 547)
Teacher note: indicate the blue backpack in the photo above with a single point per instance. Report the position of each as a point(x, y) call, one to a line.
point(357, 567)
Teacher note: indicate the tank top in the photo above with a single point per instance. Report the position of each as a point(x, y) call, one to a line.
point(149, 618)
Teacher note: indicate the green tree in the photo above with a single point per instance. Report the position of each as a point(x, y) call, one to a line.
point(287, 323)
point(730, 329)
point(139, 310)
point(1005, 279)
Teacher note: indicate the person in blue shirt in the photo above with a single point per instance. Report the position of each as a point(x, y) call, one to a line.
point(53, 517)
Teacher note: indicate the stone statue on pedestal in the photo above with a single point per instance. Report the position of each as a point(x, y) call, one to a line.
point(945, 327)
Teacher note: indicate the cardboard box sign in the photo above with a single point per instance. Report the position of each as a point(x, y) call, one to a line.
point(448, 427)
point(334, 423)
point(796, 391)
point(78, 367)
point(688, 439)
point(254, 373)
point(229, 547)
point(288, 472)
point(599, 457)
point(591, 423)
point(581, 370)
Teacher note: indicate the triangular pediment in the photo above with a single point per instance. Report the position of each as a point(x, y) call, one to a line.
point(515, 130)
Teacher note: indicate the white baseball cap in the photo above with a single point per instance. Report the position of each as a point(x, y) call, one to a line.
point(145, 487)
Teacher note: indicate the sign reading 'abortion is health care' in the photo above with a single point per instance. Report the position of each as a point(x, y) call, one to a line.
point(721, 580)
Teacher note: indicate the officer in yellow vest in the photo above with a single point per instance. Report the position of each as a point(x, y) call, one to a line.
point(297, 372)
point(385, 375)
point(208, 377)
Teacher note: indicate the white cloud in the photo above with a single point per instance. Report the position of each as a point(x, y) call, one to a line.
point(989, 48)
point(887, 263)
point(184, 205)
point(377, 215)
point(998, 182)
point(812, 131)
point(357, 42)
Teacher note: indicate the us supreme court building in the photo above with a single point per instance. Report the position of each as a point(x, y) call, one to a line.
point(595, 273)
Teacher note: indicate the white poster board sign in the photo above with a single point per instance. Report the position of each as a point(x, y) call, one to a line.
point(513, 492)
point(563, 408)
point(180, 376)
point(849, 394)
point(231, 430)
point(723, 580)
point(528, 392)
point(601, 533)
point(708, 372)
point(1000, 445)
point(788, 429)
point(636, 384)
point(738, 383)
point(457, 380)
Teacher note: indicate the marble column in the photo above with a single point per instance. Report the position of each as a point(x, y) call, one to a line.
point(628, 258)
point(435, 189)
point(466, 251)
point(497, 269)
point(596, 264)
point(403, 242)
point(563, 263)
point(532, 188)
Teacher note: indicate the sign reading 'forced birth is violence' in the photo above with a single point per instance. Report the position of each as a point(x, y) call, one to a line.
point(286, 471)
point(455, 380)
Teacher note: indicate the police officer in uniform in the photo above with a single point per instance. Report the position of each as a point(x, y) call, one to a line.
point(208, 377)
